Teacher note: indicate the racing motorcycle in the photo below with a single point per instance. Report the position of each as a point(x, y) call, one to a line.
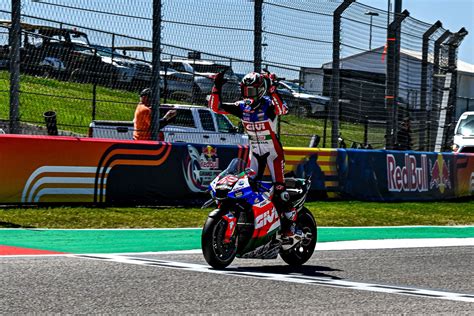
point(246, 224)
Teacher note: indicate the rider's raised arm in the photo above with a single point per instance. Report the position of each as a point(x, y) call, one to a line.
point(279, 106)
point(215, 101)
point(216, 105)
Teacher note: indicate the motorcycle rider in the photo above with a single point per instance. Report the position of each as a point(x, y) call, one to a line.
point(259, 111)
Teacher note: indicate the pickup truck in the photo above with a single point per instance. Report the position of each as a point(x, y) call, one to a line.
point(192, 124)
point(464, 134)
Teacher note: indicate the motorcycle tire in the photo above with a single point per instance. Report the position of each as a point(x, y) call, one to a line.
point(301, 253)
point(217, 253)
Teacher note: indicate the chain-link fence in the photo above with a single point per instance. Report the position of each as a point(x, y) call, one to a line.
point(355, 76)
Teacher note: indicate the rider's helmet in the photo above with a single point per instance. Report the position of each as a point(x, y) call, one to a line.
point(253, 86)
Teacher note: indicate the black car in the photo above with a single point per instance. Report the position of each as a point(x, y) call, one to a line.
point(57, 52)
point(300, 101)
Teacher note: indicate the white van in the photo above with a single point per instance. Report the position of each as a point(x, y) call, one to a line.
point(464, 134)
point(192, 124)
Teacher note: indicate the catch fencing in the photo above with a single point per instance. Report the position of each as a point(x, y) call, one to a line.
point(355, 76)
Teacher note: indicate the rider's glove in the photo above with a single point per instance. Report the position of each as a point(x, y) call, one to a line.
point(219, 81)
point(273, 82)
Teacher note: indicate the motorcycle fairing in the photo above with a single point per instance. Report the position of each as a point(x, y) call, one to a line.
point(269, 250)
point(266, 225)
point(266, 219)
point(231, 224)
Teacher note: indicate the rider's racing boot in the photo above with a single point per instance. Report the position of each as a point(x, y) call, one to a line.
point(292, 235)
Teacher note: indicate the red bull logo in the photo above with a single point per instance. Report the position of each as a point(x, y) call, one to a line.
point(408, 177)
point(440, 174)
point(208, 159)
point(209, 151)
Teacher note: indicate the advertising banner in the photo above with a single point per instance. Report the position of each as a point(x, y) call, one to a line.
point(320, 165)
point(38, 170)
point(464, 176)
point(399, 176)
point(184, 173)
point(81, 170)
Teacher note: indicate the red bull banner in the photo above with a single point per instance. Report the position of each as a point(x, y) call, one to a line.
point(464, 176)
point(407, 176)
point(39, 170)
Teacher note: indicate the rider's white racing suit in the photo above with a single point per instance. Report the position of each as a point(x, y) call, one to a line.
point(260, 123)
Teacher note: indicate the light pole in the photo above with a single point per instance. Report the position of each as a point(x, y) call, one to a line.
point(371, 14)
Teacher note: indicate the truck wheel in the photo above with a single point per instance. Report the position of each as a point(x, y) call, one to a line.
point(76, 75)
point(301, 111)
point(46, 72)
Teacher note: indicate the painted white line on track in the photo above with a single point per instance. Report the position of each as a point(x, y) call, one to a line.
point(395, 243)
point(301, 279)
point(351, 245)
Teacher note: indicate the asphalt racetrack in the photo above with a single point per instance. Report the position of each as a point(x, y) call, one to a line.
point(420, 280)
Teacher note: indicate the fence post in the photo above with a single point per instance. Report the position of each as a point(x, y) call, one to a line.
point(165, 79)
point(335, 81)
point(424, 78)
point(94, 98)
point(15, 39)
point(391, 80)
point(257, 36)
point(435, 87)
point(366, 131)
point(155, 71)
point(194, 88)
point(112, 58)
point(453, 44)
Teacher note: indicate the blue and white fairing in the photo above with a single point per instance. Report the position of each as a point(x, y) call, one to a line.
point(242, 189)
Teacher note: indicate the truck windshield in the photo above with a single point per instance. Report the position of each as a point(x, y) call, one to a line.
point(466, 126)
point(224, 125)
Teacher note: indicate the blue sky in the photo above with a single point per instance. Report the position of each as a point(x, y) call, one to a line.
point(454, 14)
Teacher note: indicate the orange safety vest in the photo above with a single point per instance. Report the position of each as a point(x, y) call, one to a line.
point(142, 122)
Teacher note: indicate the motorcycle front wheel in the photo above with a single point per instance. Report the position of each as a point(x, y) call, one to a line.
point(217, 253)
point(301, 253)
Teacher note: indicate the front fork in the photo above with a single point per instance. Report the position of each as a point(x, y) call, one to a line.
point(231, 224)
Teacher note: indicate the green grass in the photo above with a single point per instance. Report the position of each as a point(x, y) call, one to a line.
point(297, 131)
point(334, 213)
point(72, 103)
point(293, 130)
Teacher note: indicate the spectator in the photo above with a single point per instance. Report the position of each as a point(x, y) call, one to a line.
point(142, 119)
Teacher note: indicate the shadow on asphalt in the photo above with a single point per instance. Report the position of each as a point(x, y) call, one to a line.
point(305, 270)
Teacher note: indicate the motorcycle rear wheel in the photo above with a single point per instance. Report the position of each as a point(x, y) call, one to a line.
point(301, 253)
point(217, 253)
